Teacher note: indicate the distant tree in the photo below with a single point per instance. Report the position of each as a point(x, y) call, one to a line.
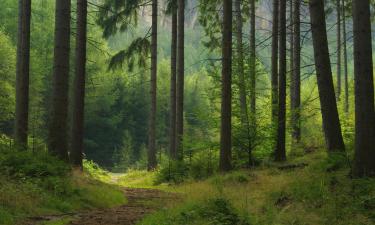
point(338, 64)
point(364, 159)
point(76, 151)
point(331, 121)
point(57, 138)
point(152, 162)
point(180, 77)
point(245, 126)
point(22, 73)
point(253, 77)
point(346, 84)
point(226, 94)
point(280, 153)
point(295, 81)
point(172, 121)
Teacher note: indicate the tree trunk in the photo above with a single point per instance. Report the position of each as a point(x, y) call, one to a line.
point(364, 159)
point(252, 66)
point(346, 106)
point(280, 153)
point(172, 123)
point(331, 122)
point(338, 12)
point(274, 61)
point(180, 78)
point(79, 86)
point(58, 120)
point(22, 73)
point(152, 121)
point(226, 95)
point(241, 73)
point(295, 93)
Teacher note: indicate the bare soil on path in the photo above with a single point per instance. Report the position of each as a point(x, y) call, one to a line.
point(141, 202)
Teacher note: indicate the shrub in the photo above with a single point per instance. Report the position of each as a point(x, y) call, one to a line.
point(172, 172)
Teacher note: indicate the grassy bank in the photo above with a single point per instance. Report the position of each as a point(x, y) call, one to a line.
point(33, 184)
point(307, 190)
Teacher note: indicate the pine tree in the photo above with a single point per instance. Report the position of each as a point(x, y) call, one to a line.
point(364, 159)
point(77, 134)
point(57, 139)
point(22, 73)
point(280, 153)
point(331, 121)
point(226, 94)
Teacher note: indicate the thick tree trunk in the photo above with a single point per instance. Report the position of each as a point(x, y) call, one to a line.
point(338, 12)
point(180, 78)
point(364, 160)
point(274, 61)
point(172, 123)
point(346, 84)
point(152, 163)
point(22, 73)
point(241, 73)
point(57, 140)
point(295, 92)
point(331, 122)
point(280, 153)
point(77, 135)
point(226, 94)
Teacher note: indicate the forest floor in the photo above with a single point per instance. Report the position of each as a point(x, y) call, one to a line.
point(140, 202)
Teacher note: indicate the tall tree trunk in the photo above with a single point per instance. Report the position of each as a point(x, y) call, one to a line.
point(226, 90)
point(274, 61)
point(152, 163)
point(79, 86)
point(252, 77)
point(241, 73)
point(58, 120)
point(331, 121)
point(364, 159)
point(172, 123)
point(22, 73)
point(180, 78)
point(280, 153)
point(346, 106)
point(338, 12)
point(295, 93)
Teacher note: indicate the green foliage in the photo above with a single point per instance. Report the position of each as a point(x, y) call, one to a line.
point(218, 211)
point(172, 172)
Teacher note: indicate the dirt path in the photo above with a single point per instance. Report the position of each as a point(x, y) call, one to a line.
point(140, 203)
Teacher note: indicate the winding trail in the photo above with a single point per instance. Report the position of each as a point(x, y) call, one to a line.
point(141, 202)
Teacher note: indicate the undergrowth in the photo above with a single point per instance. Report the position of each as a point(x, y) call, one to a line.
point(35, 183)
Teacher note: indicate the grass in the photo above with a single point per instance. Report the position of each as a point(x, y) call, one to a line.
point(320, 193)
point(35, 184)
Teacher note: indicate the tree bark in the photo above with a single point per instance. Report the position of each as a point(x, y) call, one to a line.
point(295, 93)
point(364, 159)
point(331, 122)
point(241, 74)
point(253, 124)
point(180, 78)
point(274, 61)
point(152, 163)
point(172, 123)
point(57, 140)
point(346, 84)
point(338, 12)
point(22, 73)
point(226, 94)
point(280, 153)
point(79, 86)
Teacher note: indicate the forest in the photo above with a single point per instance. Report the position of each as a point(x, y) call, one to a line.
point(187, 112)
